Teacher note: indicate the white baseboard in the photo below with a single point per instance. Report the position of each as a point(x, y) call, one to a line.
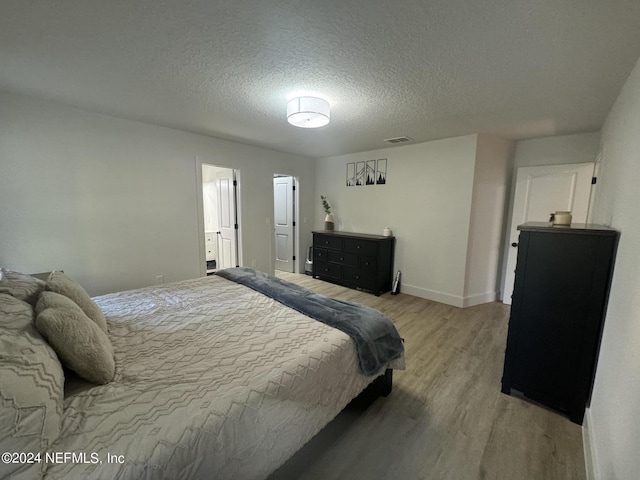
point(588, 445)
point(433, 295)
point(472, 300)
point(449, 299)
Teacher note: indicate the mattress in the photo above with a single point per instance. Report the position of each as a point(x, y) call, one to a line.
point(213, 380)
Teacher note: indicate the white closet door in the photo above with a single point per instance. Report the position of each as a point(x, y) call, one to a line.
point(227, 226)
point(541, 191)
point(283, 211)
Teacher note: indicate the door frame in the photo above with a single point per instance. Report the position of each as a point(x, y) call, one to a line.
point(200, 212)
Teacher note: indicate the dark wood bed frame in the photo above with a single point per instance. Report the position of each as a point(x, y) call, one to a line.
point(380, 386)
point(385, 382)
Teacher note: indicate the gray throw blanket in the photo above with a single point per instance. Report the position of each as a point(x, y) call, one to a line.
point(376, 338)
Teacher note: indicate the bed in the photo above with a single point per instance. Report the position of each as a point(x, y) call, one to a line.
point(213, 379)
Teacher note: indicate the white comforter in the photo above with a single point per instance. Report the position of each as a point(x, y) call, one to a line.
point(213, 381)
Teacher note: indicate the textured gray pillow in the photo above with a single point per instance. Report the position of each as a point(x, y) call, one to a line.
point(79, 343)
point(31, 386)
point(22, 286)
point(59, 282)
point(52, 299)
point(15, 314)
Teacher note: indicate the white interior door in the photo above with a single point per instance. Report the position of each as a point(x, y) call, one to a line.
point(283, 213)
point(227, 224)
point(541, 191)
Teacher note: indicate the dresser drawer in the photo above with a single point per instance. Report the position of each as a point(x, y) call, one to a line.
point(343, 258)
point(359, 278)
point(367, 263)
point(330, 270)
point(320, 254)
point(360, 247)
point(327, 241)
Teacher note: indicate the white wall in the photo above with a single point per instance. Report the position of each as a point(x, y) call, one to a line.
point(578, 148)
point(614, 414)
point(426, 202)
point(490, 189)
point(113, 202)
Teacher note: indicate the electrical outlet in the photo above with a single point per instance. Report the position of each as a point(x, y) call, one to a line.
point(253, 262)
point(159, 279)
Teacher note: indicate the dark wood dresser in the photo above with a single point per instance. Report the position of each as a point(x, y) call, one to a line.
point(354, 260)
point(558, 306)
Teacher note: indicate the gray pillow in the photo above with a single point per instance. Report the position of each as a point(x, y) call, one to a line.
point(21, 286)
point(32, 386)
point(52, 299)
point(80, 344)
point(59, 282)
point(15, 314)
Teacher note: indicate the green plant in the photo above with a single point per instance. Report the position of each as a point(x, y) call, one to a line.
point(325, 204)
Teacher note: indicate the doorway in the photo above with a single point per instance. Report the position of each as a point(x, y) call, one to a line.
point(540, 191)
point(220, 215)
point(284, 216)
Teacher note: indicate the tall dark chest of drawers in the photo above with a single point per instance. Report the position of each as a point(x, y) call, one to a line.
point(354, 260)
point(558, 306)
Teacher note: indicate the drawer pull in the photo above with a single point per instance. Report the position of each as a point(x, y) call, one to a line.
point(366, 264)
point(357, 277)
point(358, 247)
point(341, 258)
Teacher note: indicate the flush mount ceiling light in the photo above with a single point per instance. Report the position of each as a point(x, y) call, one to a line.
point(308, 112)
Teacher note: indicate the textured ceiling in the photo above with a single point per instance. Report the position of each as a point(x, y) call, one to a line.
point(422, 68)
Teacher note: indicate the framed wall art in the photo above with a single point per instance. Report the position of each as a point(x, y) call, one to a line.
point(351, 174)
point(381, 172)
point(359, 173)
point(370, 172)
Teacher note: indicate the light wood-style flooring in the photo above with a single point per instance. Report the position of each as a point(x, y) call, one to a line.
point(446, 417)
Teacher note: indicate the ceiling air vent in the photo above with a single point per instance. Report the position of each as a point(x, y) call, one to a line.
point(398, 140)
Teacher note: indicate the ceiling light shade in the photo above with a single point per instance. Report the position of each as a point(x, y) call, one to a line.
point(308, 112)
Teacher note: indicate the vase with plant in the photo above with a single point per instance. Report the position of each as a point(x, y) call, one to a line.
point(328, 219)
